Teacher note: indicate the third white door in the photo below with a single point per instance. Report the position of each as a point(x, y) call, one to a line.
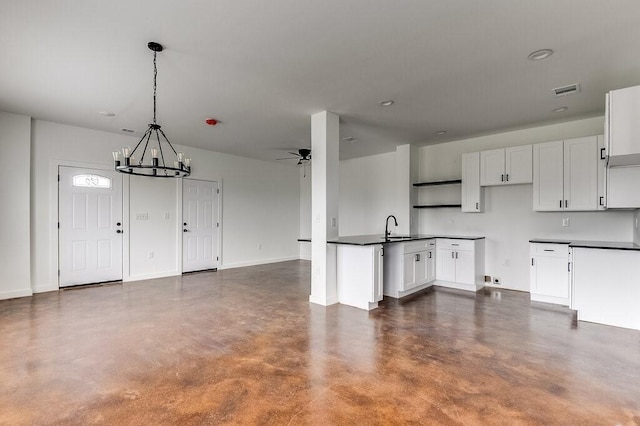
point(200, 225)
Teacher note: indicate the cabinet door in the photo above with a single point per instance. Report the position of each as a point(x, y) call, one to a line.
point(471, 200)
point(550, 276)
point(519, 164)
point(548, 178)
point(420, 267)
point(602, 174)
point(408, 271)
point(465, 267)
point(431, 265)
point(445, 265)
point(492, 167)
point(624, 128)
point(581, 174)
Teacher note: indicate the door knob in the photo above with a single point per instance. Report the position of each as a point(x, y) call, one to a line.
point(185, 230)
point(119, 231)
point(118, 224)
point(185, 224)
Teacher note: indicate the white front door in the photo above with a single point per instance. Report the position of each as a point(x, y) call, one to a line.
point(90, 226)
point(200, 225)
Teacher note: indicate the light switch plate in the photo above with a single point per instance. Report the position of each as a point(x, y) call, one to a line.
point(142, 216)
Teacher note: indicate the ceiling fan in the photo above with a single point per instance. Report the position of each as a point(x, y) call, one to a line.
point(303, 156)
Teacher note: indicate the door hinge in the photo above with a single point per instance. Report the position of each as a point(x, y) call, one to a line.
point(58, 178)
point(58, 272)
point(217, 191)
point(217, 257)
point(58, 225)
point(217, 224)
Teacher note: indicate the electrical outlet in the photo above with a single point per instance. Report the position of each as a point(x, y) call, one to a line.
point(259, 246)
point(565, 221)
point(497, 281)
point(142, 216)
point(150, 255)
point(487, 278)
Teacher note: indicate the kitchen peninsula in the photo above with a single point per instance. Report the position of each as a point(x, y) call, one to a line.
point(370, 266)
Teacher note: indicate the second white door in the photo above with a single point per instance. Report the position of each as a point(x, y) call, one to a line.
point(200, 225)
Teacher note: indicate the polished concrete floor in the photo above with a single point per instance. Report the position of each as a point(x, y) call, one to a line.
point(244, 346)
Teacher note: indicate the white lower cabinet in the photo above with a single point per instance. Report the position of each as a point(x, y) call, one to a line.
point(606, 286)
point(409, 267)
point(460, 263)
point(550, 273)
point(360, 275)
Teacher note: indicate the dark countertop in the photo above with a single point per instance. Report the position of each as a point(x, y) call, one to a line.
point(367, 240)
point(606, 245)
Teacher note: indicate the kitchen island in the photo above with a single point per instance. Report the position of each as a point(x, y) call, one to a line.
point(370, 266)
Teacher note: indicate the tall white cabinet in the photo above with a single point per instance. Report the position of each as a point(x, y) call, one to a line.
point(565, 175)
point(471, 192)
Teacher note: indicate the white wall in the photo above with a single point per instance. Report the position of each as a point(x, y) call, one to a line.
point(509, 221)
point(260, 203)
point(15, 133)
point(636, 227)
point(367, 194)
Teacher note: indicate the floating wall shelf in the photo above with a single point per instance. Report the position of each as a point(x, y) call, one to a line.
point(436, 206)
point(439, 182)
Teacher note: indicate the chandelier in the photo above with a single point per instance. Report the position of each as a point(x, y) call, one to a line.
point(174, 165)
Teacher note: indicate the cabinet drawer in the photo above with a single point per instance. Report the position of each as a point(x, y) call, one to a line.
point(414, 246)
point(451, 244)
point(550, 250)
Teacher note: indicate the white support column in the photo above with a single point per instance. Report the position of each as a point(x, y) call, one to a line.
point(407, 164)
point(324, 207)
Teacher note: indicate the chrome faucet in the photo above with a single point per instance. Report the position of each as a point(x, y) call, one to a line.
point(386, 226)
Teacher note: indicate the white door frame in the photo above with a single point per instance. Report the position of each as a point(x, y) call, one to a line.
point(219, 233)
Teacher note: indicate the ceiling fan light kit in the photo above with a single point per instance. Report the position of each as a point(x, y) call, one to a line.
point(175, 165)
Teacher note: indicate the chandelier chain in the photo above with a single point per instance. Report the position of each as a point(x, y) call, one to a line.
point(155, 77)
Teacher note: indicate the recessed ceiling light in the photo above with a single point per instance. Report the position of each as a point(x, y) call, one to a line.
point(540, 54)
point(386, 103)
point(441, 132)
point(127, 130)
point(107, 114)
point(349, 139)
point(561, 109)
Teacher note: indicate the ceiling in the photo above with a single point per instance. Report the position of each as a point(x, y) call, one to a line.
point(262, 68)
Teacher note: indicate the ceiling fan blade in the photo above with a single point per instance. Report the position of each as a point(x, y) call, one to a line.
point(294, 153)
point(288, 158)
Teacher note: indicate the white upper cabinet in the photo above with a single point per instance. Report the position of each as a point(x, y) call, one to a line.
point(506, 166)
point(471, 194)
point(581, 174)
point(518, 164)
point(565, 175)
point(623, 126)
point(548, 178)
point(492, 167)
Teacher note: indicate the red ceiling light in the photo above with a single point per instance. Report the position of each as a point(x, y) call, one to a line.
point(211, 121)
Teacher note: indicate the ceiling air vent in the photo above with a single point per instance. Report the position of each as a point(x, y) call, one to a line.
point(567, 90)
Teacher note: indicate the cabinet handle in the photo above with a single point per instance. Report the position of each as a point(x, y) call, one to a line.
point(455, 245)
point(569, 266)
point(478, 207)
point(532, 261)
point(418, 257)
point(560, 203)
point(602, 156)
point(566, 203)
point(430, 255)
point(602, 201)
point(548, 250)
point(502, 178)
point(452, 255)
point(456, 255)
point(507, 177)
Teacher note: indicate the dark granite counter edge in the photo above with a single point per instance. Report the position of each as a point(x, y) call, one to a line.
point(602, 245)
point(373, 241)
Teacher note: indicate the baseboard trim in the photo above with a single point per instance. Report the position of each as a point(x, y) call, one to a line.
point(258, 262)
point(322, 301)
point(45, 288)
point(14, 294)
point(143, 277)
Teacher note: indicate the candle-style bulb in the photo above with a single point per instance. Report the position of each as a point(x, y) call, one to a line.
point(116, 155)
point(154, 152)
point(187, 162)
point(181, 157)
point(126, 152)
